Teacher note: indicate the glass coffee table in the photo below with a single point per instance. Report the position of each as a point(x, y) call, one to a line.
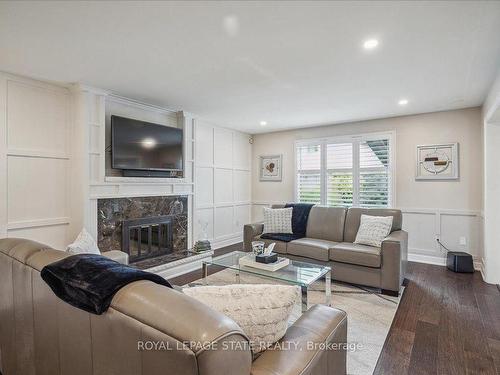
point(297, 273)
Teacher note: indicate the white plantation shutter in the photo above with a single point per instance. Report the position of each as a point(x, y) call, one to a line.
point(349, 171)
point(340, 188)
point(309, 173)
point(374, 173)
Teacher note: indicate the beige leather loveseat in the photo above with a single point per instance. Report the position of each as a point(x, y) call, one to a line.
point(148, 329)
point(329, 239)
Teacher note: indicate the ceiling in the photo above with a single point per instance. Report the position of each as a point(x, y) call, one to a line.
point(291, 64)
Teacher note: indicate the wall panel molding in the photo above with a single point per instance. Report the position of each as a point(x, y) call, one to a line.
point(35, 160)
point(222, 199)
point(42, 154)
point(38, 223)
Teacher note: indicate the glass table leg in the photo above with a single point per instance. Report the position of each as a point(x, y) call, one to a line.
point(303, 291)
point(204, 270)
point(328, 288)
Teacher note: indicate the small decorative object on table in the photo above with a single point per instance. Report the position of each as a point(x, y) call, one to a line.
point(266, 259)
point(267, 256)
point(202, 245)
point(250, 261)
point(258, 247)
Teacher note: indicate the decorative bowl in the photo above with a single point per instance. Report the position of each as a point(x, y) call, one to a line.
point(258, 247)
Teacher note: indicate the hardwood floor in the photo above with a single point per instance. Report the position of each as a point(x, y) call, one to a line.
point(446, 323)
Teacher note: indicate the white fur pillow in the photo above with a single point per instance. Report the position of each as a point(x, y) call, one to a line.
point(262, 311)
point(278, 220)
point(373, 229)
point(84, 244)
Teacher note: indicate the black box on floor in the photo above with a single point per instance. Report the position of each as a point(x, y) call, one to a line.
point(458, 261)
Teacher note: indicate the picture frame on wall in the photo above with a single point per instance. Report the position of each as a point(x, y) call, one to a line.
point(271, 168)
point(437, 162)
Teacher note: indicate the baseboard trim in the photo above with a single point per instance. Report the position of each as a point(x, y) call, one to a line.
point(441, 261)
point(217, 244)
point(427, 259)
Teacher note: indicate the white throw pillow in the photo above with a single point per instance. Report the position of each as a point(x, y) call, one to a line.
point(278, 220)
point(262, 311)
point(84, 244)
point(373, 229)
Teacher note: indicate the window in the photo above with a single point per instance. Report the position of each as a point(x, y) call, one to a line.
point(346, 171)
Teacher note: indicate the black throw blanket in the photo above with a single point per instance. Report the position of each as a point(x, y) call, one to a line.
point(300, 215)
point(89, 281)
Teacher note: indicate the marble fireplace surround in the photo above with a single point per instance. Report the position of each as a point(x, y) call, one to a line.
point(112, 211)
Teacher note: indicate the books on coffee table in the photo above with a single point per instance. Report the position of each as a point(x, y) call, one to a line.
point(249, 261)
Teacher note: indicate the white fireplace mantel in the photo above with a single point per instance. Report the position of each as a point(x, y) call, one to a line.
point(90, 178)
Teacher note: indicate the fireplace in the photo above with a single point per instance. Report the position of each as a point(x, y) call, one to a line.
point(152, 230)
point(147, 237)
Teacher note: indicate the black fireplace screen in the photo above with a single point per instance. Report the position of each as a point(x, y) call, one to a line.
point(147, 237)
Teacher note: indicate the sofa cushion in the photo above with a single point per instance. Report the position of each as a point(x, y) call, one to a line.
point(278, 220)
point(262, 311)
point(311, 248)
point(280, 246)
point(353, 219)
point(326, 223)
point(361, 255)
point(84, 244)
point(373, 230)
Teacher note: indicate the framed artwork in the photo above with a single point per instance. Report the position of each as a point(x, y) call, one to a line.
point(437, 162)
point(271, 168)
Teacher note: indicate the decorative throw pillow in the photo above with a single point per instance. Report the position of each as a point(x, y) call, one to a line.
point(373, 229)
point(278, 220)
point(84, 244)
point(262, 311)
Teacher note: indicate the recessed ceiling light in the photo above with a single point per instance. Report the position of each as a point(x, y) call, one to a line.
point(370, 43)
point(231, 25)
point(263, 123)
point(403, 102)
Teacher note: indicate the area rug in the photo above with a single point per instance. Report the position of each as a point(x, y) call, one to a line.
point(369, 315)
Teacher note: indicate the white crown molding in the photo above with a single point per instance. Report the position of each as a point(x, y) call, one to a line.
point(81, 87)
point(138, 104)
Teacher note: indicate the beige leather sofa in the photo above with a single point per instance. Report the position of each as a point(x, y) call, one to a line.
point(329, 239)
point(40, 334)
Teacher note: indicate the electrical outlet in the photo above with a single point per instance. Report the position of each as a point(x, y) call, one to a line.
point(463, 241)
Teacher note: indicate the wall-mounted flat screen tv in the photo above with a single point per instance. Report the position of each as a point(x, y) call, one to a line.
point(140, 145)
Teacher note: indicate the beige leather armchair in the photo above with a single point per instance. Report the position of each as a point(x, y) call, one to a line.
point(148, 329)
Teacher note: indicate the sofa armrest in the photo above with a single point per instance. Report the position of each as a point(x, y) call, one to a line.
point(117, 256)
point(394, 260)
point(315, 344)
point(249, 232)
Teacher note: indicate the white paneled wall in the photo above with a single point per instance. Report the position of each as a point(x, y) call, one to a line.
point(458, 230)
point(35, 125)
point(222, 184)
